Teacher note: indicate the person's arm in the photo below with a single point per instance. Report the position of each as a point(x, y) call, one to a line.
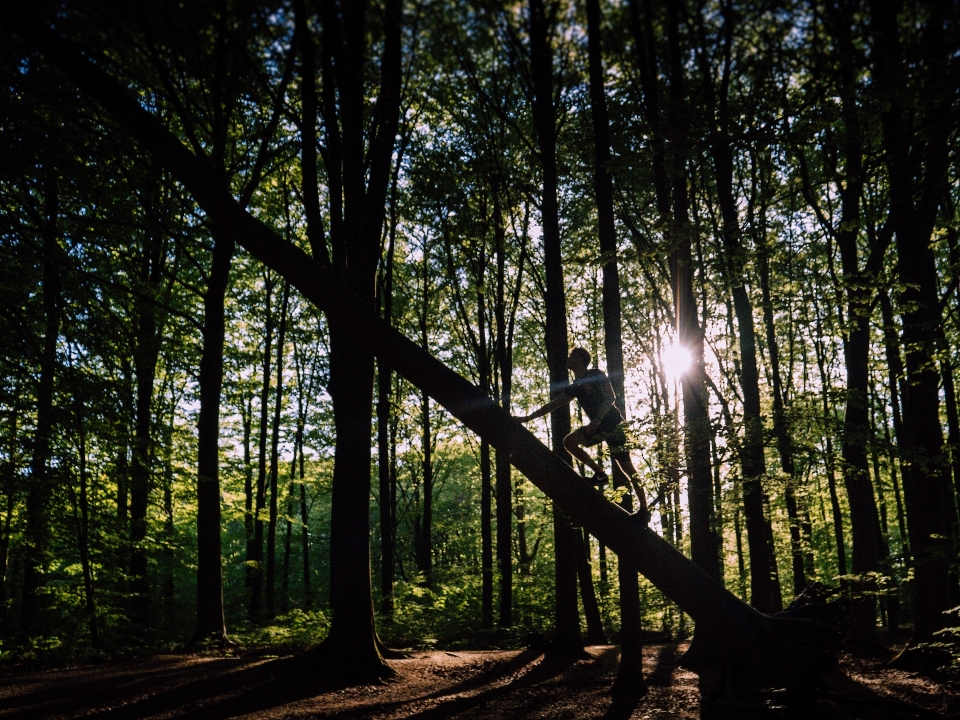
point(558, 402)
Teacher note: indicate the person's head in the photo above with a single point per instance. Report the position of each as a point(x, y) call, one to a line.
point(578, 361)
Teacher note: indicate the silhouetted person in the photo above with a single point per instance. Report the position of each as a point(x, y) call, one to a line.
point(591, 388)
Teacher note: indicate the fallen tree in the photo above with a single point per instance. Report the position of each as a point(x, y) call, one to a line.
point(735, 647)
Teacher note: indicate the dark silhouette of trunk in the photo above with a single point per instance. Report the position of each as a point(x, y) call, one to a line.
point(829, 460)
point(81, 516)
point(895, 377)
point(145, 356)
point(486, 537)
point(10, 496)
point(735, 648)
point(210, 619)
point(566, 619)
point(256, 560)
point(246, 416)
point(275, 459)
point(503, 352)
point(765, 581)
point(916, 159)
point(670, 179)
point(384, 477)
point(588, 595)
point(40, 488)
point(781, 426)
point(630, 671)
point(305, 535)
point(424, 536)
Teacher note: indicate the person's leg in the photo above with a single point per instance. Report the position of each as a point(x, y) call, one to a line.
point(617, 442)
point(574, 442)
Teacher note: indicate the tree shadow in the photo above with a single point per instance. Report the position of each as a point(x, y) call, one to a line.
point(228, 689)
point(841, 697)
point(665, 666)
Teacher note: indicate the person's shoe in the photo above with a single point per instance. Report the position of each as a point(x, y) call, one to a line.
point(640, 517)
point(599, 479)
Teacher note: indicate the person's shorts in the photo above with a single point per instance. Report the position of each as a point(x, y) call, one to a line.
point(611, 433)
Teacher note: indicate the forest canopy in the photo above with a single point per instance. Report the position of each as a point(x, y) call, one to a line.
point(746, 212)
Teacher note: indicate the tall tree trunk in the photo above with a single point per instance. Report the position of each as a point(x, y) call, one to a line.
point(486, 538)
point(275, 459)
point(916, 159)
point(256, 586)
point(566, 617)
point(145, 357)
point(81, 512)
point(40, 488)
point(829, 460)
point(669, 174)
point(630, 671)
point(781, 426)
point(210, 619)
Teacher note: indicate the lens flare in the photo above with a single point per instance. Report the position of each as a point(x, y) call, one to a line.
point(676, 360)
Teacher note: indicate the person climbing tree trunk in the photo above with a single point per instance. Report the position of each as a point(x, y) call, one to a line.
point(735, 648)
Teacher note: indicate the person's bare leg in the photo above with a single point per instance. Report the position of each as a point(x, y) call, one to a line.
point(572, 444)
point(626, 464)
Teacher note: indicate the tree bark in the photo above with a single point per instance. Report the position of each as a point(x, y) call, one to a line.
point(630, 670)
point(275, 459)
point(566, 617)
point(40, 488)
point(916, 160)
point(210, 619)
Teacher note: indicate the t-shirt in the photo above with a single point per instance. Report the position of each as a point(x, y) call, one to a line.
point(588, 391)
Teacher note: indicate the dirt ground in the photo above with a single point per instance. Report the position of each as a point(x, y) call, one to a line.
point(466, 685)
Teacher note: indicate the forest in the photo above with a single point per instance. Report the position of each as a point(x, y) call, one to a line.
point(279, 281)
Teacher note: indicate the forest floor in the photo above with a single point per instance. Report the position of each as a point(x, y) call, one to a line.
point(435, 685)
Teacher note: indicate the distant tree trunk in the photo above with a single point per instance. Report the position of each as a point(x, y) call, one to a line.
point(81, 514)
point(256, 586)
point(40, 488)
point(10, 497)
point(781, 426)
point(210, 620)
point(630, 671)
point(829, 460)
point(566, 620)
point(275, 459)
point(246, 417)
point(486, 538)
point(145, 356)
point(424, 549)
point(504, 359)
point(864, 521)
point(670, 178)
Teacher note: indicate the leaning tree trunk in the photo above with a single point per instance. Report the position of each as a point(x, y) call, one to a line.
point(737, 645)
